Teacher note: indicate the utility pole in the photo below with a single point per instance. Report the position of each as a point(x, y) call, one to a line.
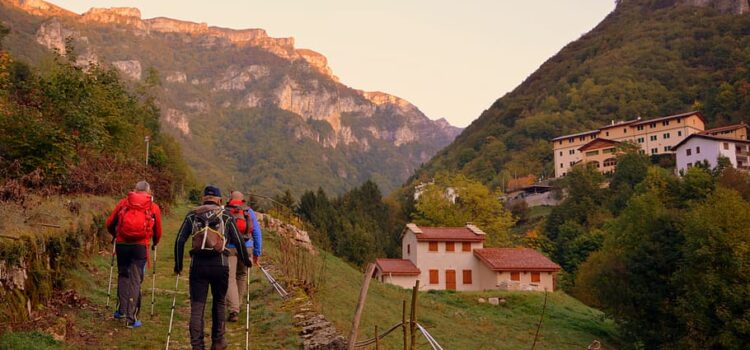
point(147, 139)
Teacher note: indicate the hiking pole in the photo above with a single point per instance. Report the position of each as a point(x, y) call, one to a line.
point(111, 268)
point(171, 316)
point(153, 284)
point(247, 313)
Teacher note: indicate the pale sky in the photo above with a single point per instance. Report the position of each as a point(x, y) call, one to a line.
point(451, 59)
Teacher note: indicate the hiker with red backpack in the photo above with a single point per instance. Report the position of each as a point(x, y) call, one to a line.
point(134, 223)
point(210, 228)
point(247, 223)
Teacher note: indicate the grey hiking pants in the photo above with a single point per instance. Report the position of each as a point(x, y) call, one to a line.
point(201, 278)
point(131, 264)
point(237, 281)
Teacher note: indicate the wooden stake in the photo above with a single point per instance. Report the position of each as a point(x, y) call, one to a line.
point(413, 317)
point(403, 322)
point(377, 341)
point(360, 306)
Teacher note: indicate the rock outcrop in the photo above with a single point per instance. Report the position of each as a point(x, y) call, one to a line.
point(131, 69)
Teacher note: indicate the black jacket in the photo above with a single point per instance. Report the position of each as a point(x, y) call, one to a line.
point(232, 236)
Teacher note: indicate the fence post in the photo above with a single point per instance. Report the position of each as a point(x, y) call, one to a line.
point(413, 317)
point(377, 341)
point(360, 306)
point(403, 322)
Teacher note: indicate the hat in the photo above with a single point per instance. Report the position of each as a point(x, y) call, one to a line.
point(212, 191)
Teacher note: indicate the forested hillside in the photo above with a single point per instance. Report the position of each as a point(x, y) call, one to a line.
point(647, 58)
point(64, 129)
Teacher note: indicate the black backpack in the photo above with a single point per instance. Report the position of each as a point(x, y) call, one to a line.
point(209, 234)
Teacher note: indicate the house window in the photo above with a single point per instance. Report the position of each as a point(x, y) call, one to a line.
point(561, 165)
point(571, 140)
point(689, 165)
point(667, 148)
point(688, 152)
point(433, 246)
point(726, 145)
point(606, 133)
point(608, 150)
point(653, 137)
point(679, 120)
point(450, 246)
point(639, 127)
point(610, 162)
point(434, 279)
point(535, 277)
point(625, 130)
point(665, 135)
point(697, 150)
point(560, 153)
point(665, 123)
point(466, 247)
point(467, 276)
point(679, 133)
point(653, 125)
point(515, 276)
point(641, 151)
point(640, 140)
point(408, 249)
point(561, 142)
point(572, 151)
point(654, 150)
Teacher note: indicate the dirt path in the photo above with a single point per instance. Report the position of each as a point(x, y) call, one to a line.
point(271, 322)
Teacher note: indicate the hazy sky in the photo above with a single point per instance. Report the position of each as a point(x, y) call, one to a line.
point(451, 59)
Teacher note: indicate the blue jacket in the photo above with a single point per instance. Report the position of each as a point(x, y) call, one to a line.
point(257, 241)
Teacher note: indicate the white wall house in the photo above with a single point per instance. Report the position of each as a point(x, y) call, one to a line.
point(454, 258)
point(698, 148)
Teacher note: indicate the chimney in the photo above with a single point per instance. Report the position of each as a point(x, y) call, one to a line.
point(413, 228)
point(474, 229)
point(611, 122)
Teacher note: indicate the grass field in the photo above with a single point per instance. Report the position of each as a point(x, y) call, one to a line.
point(459, 321)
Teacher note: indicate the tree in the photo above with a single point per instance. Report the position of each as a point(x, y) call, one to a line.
point(474, 203)
point(714, 278)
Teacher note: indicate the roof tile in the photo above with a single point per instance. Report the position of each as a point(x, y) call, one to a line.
point(397, 267)
point(515, 259)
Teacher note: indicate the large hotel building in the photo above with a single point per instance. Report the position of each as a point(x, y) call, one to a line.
point(654, 136)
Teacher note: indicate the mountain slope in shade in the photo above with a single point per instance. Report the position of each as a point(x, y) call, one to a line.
point(251, 110)
point(647, 58)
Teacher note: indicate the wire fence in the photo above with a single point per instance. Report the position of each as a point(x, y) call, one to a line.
point(430, 339)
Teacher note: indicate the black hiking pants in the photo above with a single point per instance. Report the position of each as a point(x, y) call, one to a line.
point(201, 278)
point(131, 264)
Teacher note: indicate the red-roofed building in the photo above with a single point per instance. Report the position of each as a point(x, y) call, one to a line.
point(454, 258)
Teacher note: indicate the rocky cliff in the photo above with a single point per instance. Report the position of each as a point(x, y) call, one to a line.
point(212, 74)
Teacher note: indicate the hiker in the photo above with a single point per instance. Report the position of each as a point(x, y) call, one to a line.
point(211, 228)
point(247, 224)
point(135, 221)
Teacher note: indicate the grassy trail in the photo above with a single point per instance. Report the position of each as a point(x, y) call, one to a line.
point(271, 326)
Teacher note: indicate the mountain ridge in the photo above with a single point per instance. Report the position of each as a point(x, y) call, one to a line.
point(217, 74)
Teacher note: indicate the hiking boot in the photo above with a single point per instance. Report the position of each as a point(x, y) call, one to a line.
point(220, 345)
point(118, 315)
point(232, 316)
point(135, 324)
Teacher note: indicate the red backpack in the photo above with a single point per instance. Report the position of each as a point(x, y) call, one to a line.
point(241, 219)
point(135, 221)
